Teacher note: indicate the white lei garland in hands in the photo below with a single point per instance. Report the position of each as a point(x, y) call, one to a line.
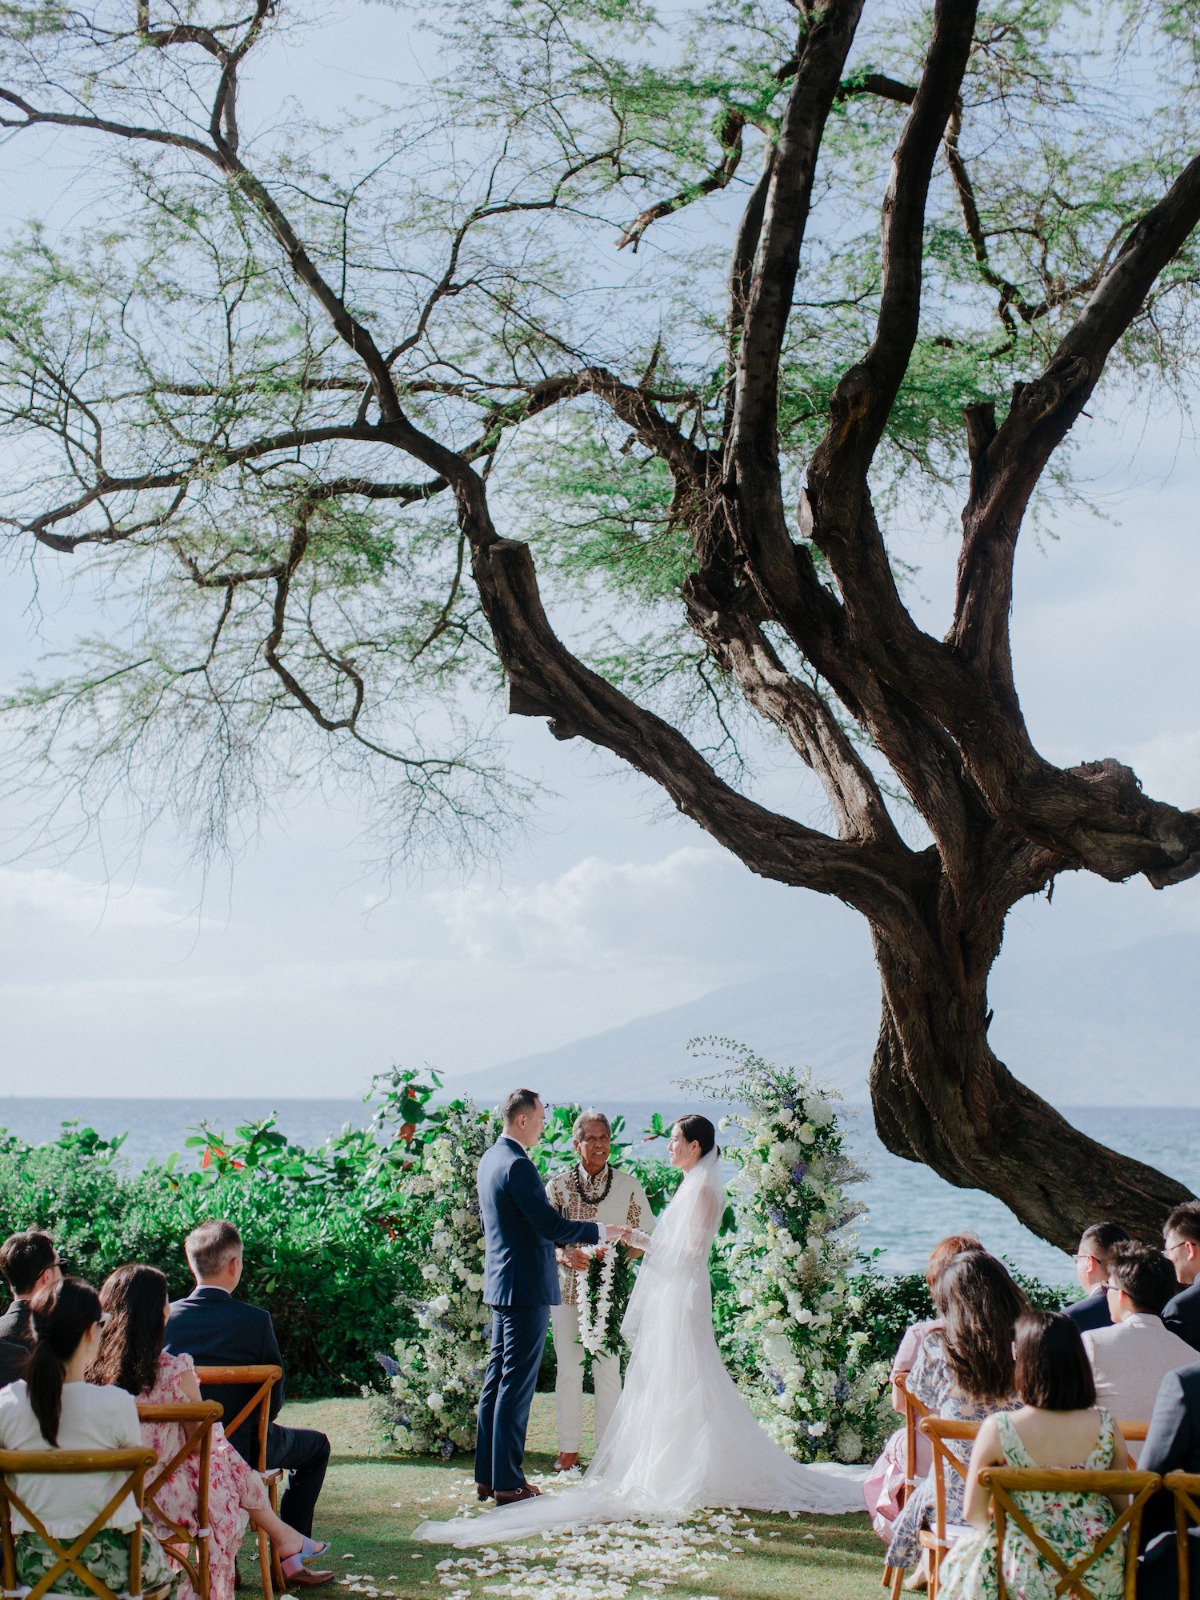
point(593, 1315)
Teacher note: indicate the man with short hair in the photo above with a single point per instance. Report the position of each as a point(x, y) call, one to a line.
point(592, 1190)
point(29, 1263)
point(218, 1331)
point(520, 1283)
point(1091, 1268)
point(1181, 1246)
point(1131, 1358)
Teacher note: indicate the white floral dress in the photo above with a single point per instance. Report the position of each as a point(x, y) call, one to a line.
point(1069, 1523)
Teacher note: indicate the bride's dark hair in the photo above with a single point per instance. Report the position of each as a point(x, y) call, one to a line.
point(697, 1130)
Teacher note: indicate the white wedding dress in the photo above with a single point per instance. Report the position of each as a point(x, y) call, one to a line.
point(681, 1436)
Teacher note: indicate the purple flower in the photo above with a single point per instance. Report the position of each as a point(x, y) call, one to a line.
point(841, 1389)
point(775, 1380)
point(447, 1449)
point(777, 1216)
point(798, 1171)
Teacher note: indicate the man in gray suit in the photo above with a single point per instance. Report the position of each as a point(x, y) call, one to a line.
point(1172, 1445)
point(1181, 1246)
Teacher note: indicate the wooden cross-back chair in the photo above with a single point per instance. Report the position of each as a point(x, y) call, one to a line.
point(189, 1550)
point(939, 1431)
point(914, 1412)
point(1185, 1487)
point(1005, 1483)
point(262, 1379)
point(68, 1551)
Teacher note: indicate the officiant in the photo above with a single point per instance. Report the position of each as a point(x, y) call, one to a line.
point(592, 1190)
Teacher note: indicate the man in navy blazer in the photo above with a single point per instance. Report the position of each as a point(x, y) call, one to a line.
point(1172, 1445)
point(1181, 1246)
point(218, 1331)
point(1092, 1261)
point(520, 1283)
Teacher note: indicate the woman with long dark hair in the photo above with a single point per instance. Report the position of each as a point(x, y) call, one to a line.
point(1058, 1425)
point(131, 1358)
point(964, 1371)
point(681, 1435)
point(54, 1407)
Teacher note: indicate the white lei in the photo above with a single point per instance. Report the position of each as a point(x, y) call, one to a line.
point(593, 1318)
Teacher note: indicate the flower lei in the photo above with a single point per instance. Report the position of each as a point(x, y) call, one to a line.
point(594, 1299)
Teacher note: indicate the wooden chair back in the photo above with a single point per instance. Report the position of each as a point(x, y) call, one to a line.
point(1133, 1433)
point(914, 1412)
point(262, 1379)
point(68, 1552)
point(1006, 1483)
point(189, 1550)
point(1185, 1487)
point(939, 1431)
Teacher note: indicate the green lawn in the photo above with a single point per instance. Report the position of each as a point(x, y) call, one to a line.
point(372, 1502)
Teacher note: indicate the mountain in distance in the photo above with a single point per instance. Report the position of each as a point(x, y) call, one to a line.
point(1118, 1027)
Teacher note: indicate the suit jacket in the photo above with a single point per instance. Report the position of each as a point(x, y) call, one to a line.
point(218, 1331)
point(1090, 1312)
point(1172, 1442)
point(16, 1325)
point(520, 1229)
point(13, 1357)
point(1182, 1315)
point(1130, 1361)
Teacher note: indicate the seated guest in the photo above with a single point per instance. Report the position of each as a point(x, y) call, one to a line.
point(131, 1356)
point(29, 1263)
point(1181, 1246)
point(54, 1408)
point(218, 1331)
point(881, 1489)
point(964, 1371)
point(1130, 1360)
point(1058, 1425)
point(1091, 1267)
point(1172, 1445)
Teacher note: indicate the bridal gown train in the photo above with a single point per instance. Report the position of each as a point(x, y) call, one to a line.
point(681, 1436)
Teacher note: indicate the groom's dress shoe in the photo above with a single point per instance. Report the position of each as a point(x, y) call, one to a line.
point(484, 1491)
point(509, 1497)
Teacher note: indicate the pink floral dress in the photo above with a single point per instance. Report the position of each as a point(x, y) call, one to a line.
point(234, 1487)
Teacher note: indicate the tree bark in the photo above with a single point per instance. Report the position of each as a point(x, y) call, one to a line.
point(941, 1097)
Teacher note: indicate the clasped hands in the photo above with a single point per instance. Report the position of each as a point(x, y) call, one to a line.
point(578, 1260)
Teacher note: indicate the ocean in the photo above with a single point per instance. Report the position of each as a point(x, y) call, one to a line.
point(909, 1206)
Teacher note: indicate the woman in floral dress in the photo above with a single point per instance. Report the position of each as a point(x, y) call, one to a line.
point(132, 1357)
point(964, 1371)
point(1059, 1425)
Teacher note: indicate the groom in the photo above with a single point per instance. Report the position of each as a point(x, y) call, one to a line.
point(520, 1283)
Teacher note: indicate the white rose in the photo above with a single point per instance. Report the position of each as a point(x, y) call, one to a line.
point(434, 1402)
point(441, 1305)
point(816, 1429)
point(429, 1272)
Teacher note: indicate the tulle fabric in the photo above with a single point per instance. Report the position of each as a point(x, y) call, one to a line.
point(681, 1436)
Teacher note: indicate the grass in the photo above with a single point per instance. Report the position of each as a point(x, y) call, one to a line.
point(371, 1503)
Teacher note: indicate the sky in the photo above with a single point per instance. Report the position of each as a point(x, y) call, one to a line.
point(299, 970)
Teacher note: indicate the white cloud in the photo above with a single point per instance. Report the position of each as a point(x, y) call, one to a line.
point(50, 895)
point(596, 912)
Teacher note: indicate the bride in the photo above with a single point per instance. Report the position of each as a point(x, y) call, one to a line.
point(681, 1436)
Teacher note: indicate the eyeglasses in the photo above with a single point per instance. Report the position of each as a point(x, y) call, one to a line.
point(1087, 1256)
point(1170, 1249)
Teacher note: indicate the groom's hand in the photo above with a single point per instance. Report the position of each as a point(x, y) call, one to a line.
point(578, 1260)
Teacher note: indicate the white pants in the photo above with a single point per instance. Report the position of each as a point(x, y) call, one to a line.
point(568, 1386)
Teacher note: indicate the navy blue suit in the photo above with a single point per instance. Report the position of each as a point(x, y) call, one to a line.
point(520, 1283)
point(218, 1331)
point(1172, 1445)
point(1182, 1315)
point(1090, 1312)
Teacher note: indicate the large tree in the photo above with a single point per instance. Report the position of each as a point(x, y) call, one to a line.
point(649, 326)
